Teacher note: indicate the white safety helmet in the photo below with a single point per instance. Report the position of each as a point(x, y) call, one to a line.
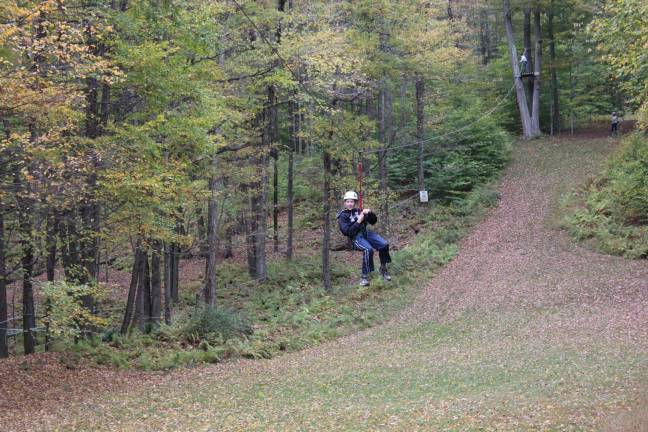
point(350, 195)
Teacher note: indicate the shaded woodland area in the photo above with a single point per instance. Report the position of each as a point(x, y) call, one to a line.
point(138, 134)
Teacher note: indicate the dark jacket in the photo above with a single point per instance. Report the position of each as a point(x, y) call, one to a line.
point(347, 220)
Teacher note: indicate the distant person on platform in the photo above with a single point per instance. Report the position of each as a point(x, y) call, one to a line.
point(353, 224)
point(615, 124)
point(523, 63)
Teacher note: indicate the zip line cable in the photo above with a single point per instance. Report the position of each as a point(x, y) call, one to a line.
point(498, 104)
point(419, 142)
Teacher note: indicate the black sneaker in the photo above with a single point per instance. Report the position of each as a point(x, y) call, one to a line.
point(364, 280)
point(385, 274)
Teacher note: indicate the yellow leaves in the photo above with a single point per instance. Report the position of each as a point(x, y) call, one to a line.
point(49, 6)
point(7, 33)
point(329, 50)
point(11, 10)
point(42, 71)
point(66, 315)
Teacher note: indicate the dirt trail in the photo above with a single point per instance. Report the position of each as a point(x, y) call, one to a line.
point(524, 330)
point(518, 259)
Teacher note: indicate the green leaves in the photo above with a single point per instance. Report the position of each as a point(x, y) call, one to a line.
point(616, 205)
point(622, 35)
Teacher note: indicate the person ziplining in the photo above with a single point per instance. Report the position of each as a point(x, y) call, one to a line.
point(353, 224)
point(353, 219)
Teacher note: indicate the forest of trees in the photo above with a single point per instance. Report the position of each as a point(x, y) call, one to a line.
point(139, 133)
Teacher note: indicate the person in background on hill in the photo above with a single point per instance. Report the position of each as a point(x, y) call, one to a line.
point(615, 124)
point(353, 224)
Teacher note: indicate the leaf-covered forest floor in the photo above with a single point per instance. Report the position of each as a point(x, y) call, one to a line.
point(524, 330)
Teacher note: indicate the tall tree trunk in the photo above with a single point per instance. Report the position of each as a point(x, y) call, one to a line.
point(4, 322)
point(173, 252)
point(289, 192)
point(496, 34)
point(535, 108)
point(228, 251)
point(572, 97)
point(262, 228)
point(4, 318)
point(50, 242)
point(25, 209)
point(89, 240)
point(306, 143)
point(250, 225)
point(90, 235)
point(255, 240)
point(105, 106)
point(384, 134)
point(420, 130)
point(259, 200)
point(384, 137)
point(403, 98)
point(167, 283)
point(91, 126)
point(201, 229)
point(209, 290)
point(261, 208)
point(156, 285)
point(485, 37)
point(326, 204)
point(275, 201)
point(555, 101)
point(527, 50)
point(273, 132)
point(523, 107)
point(89, 210)
point(29, 315)
point(52, 230)
point(27, 264)
point(175, 262)
point(139, 297)
point(145, 296)
point(70, 250)
point(136, 274)
point(298, 127)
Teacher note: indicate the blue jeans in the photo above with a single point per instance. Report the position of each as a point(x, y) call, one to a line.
point(367, 243)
